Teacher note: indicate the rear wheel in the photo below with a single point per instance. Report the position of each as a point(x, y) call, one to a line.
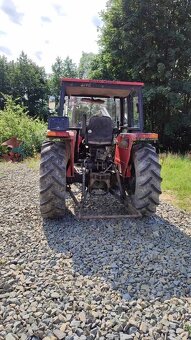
point(54, 159)
point(145, 184)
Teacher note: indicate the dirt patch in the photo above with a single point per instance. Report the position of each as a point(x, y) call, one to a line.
point(168, 197)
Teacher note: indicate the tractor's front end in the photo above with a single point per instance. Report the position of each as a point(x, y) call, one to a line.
point(105, 150)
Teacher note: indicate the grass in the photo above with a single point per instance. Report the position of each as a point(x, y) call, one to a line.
point(33, 162)
point(188, 329)
point(3, 262)
point(176, 174)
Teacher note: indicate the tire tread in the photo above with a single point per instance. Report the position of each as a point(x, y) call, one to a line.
point(53, 165)
point(148, 180)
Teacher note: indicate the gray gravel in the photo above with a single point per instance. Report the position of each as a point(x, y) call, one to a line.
point(104, 279)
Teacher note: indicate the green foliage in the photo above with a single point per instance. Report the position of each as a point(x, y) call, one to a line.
point(188, 328)
point(5, 77)
point(100, 68)
point(69, 68)
point(15, 122)
point(150, 41)
point(61, 68)
point(85, 65)
point(25, 80)
point(176, 176)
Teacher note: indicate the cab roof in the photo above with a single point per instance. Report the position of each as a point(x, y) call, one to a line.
point(98, 88)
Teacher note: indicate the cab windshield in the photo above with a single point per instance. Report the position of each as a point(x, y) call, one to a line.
point(77, 107)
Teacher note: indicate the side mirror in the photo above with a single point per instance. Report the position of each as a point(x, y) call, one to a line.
point(52, 103)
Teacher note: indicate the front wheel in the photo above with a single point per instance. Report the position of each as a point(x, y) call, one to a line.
point(145, 183)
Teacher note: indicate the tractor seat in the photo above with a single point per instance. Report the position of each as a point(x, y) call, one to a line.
point(99, 131)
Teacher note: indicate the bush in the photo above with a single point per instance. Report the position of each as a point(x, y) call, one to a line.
point(15, 122)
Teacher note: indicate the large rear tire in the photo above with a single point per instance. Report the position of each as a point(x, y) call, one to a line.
point(54, 159)
point(146, 179)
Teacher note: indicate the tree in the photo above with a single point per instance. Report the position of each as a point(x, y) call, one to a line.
point(30, 84)
point(5, 79)
point(61, 68)
point(85, 65)
point(69, 68)
point(54, 81)
point(26, 82)
point(150, 41)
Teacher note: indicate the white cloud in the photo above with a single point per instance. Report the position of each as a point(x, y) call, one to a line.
point(50, 28)
point(9, 8)
point(45, 19)
point(5, 50)
point(38, 54)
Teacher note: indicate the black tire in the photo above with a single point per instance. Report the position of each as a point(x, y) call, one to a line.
point(54, 159)
point(146, 179)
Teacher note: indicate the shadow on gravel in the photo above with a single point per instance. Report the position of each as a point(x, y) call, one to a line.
point(144, 258)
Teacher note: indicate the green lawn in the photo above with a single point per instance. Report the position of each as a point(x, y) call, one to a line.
point(176, 174)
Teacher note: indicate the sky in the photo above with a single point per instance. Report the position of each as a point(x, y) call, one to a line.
point(45, 29)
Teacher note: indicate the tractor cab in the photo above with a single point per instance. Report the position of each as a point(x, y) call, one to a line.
point(98, 111)
point(122, 101)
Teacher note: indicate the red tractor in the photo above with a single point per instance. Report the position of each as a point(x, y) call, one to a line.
point(105, 152)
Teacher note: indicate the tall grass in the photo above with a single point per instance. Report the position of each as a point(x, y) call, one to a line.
point(14, 121)
point(176, 174)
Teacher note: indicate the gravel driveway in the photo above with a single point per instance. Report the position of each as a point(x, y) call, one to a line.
point(104, 279)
